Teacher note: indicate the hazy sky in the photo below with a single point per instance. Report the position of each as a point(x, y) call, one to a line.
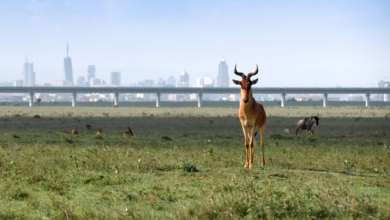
point(295, 43)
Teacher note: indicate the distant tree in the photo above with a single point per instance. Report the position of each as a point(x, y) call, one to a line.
point(38, 101)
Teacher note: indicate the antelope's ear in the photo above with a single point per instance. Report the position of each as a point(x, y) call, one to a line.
point(236, 82)
point(255, 81)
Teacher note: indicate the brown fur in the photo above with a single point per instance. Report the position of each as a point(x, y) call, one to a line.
point(286, 131)
point(100, 132)
point(128, 132)
point(74, 131)
point(252, 117)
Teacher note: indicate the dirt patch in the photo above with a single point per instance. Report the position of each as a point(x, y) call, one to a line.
point(362, 138)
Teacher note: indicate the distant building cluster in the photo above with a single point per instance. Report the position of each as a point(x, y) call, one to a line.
point(222, 80)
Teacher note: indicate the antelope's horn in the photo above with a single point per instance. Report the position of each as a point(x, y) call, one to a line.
point(253, 73)
point(238, 73)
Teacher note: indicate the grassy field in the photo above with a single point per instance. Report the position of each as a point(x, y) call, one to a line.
point(188, 163)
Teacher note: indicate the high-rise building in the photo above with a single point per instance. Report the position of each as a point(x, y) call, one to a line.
point(94, 82)
point(28, 74)
point(146, 83)
point(171, 81)
point(160, 82)
point(387, 96)
point(115, 78)
point(18, 82)
point(91, 72)
point(184, 80)
point(80, 81)
point(223, 77)
point(67, 73)
point(205, 82)
point(381, 84)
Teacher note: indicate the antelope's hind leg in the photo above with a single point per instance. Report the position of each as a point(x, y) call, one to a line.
point(262, 135)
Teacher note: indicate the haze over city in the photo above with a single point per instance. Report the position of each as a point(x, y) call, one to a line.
point(299, 43)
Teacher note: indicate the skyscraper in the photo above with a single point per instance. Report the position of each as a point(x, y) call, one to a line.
point(91, 72)
point(67, 73)
point(171, 81)
point(223, 77)
point(28, 74)
point(115, 78)
point(184, 80)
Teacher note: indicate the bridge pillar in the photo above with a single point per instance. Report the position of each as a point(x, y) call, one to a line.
point(158, 100)
point(116, 99)
point(325, 99)
point(283, 100)
point(200, 100)
point(31, 100)
point(367, 99)
point(74, 96)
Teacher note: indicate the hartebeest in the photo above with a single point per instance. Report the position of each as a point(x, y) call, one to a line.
point(128, 132)
point(74, 131)
point(252, 116)
point(99, 132)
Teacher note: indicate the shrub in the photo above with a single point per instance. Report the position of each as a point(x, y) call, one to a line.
point(88, 126)
point(17, 115)
point(189, 168)
point(166, 138)
point(15, 104)
point(36, 116)
point(114, 106)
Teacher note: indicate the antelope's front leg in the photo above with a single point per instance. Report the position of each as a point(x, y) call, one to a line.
point(252, 144)
point(245, 130)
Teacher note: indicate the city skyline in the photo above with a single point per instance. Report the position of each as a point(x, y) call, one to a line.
point(335, 43)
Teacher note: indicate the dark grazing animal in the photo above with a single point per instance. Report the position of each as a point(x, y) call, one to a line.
point(128, 132)
point(307, 123)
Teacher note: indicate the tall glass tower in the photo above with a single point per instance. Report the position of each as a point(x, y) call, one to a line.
point(223, 77)
point(91, 72)
point(28, 74)
point(67, 73)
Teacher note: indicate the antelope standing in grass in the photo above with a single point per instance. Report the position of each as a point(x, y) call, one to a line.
point(99, 132)
point(128, 132)
point(74, 131)
point(252, 116)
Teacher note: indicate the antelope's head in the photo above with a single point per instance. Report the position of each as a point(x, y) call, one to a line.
point(129, 130)
point(246, 83)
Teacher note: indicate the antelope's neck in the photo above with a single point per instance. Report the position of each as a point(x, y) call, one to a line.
point(248, 107)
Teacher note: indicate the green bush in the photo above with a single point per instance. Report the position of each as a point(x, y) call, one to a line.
point(189, 168)
point(166, 138)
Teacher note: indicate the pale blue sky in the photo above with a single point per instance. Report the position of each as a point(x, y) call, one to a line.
point(295, 43)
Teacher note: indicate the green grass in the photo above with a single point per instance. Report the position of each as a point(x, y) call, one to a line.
point(190, 166)
point(275, 111)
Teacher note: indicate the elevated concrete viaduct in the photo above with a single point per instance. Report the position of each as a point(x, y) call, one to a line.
point(175, 90)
